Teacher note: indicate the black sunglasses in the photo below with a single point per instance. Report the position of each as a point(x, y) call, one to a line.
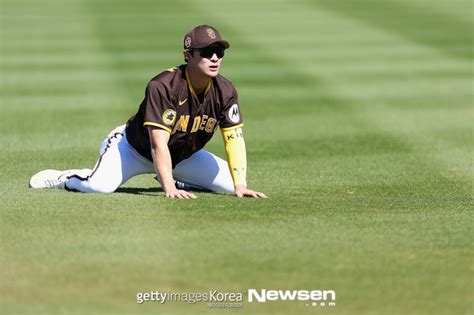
point(208, 52)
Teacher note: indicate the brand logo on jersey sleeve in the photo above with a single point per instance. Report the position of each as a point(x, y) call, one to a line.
point(169, 117)
point(233, 113)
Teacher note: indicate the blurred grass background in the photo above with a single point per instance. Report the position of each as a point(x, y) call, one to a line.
point(358, 125)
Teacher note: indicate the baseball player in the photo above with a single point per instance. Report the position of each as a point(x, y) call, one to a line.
point(182, 108)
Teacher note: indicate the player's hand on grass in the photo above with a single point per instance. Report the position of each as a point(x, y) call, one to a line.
point(242, 191)
point(180, 194)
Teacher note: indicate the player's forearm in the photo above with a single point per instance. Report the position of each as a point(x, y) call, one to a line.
point(163, 166)
point(161, 157)
point(236, 156)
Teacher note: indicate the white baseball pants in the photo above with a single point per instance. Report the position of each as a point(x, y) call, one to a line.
point(119, 161)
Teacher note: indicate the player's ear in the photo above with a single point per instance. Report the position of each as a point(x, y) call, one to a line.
point(186, 55)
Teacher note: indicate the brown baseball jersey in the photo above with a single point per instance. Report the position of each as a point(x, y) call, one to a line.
point(171, 104)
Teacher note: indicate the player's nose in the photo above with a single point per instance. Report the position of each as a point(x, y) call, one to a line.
point(214, 58)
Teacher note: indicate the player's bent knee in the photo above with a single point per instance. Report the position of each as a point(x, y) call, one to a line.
point(103, 188)
point(223, 188)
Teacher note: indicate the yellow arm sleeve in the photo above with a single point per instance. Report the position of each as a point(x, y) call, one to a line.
point(236, 155)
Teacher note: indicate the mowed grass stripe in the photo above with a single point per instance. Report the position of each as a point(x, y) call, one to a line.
point(50, 81)
point(62, 97)
point(420, 24)
point(448, 89)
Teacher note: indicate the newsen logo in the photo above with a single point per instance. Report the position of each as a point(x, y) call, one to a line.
point(263, 295)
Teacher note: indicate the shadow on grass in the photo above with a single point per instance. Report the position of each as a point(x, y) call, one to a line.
point(140, 191)
point(153, 191)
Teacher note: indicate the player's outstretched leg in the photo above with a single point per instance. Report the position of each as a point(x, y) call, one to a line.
point(205, 170)
point(118, 162)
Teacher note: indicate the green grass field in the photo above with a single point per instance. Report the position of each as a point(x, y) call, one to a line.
point(358, 125)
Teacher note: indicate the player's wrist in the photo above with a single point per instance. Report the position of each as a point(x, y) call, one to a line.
point(240, 187)
point(169, 189)
point(168, 186)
